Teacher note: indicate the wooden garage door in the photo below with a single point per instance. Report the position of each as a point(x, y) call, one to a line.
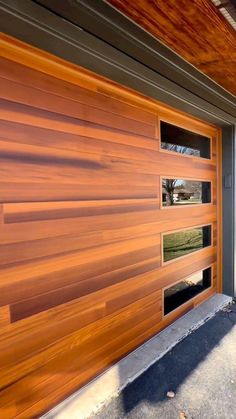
point(89, 245)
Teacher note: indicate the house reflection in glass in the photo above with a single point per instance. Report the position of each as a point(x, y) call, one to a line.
point(185, 192)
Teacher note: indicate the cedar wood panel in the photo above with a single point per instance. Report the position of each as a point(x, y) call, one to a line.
point(81, 224)
point(195, 29)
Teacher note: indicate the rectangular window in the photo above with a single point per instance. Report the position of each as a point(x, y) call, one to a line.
point(183, 291)
point(182, 141)
point(183, 242)
point(184, 192)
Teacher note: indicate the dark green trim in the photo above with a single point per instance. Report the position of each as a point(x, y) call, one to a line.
point(228, 204)
point(106, 23)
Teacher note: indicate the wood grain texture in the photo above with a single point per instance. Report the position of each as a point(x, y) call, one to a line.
point(194, 29)
point(81, 225)
point(4, 316)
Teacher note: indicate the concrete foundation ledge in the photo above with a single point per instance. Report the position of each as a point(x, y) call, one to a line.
point(91, 398)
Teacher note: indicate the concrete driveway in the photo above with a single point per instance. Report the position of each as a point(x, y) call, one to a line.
point(201, 371)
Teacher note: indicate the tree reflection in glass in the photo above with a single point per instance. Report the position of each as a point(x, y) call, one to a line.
point(180, 140)
point(180, 149)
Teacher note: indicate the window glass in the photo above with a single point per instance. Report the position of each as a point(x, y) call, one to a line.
point(185, 192)
point(183, 291)
point(183, 242)
point(182, 141)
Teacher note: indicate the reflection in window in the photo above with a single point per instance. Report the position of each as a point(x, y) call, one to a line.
point(184, 192)
point(182, 141)
point(183, 242)
point(183, 291)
